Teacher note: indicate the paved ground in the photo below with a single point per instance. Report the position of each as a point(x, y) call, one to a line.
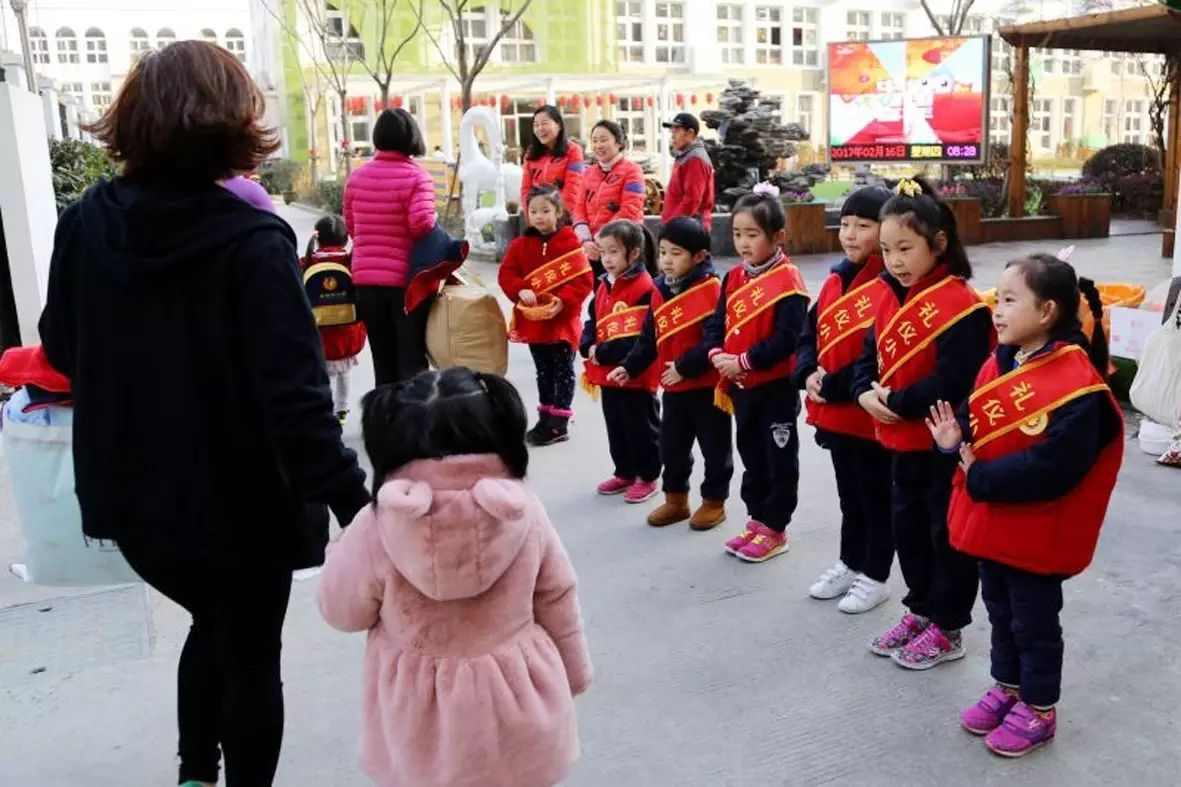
point(709, 671)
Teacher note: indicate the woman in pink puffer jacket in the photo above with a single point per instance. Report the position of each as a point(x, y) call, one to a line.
point(389, 204)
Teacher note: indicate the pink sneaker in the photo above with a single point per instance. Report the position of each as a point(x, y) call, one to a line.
point(640, 490)
point(742, 539)
point(903, 632)
point(929, 649)
point(766, 544)
point(613, 486)
point(1022, 731)
point(989, 711)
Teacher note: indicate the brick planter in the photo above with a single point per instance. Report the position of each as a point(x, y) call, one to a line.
point(806, 231)
point(1083, 215)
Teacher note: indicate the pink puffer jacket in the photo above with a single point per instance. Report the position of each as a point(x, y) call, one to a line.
point(389, 204)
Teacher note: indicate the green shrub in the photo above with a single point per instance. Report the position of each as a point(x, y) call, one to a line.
point(278, 175)
point(76, 166)
point(1115, 161)
point(331, 195)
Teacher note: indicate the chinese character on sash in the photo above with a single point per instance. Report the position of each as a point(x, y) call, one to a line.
point(907, 331)
point(613, 328)
point(564, 268)
point(974, 423)
point(630, 324)
point(994, 410)
point(1020, 394)
point(825, 330)
point(928, 311)
point(862, 305)
point(756, 295)
point(662, 324)
point(677, 313)
point(891, 347)
point(740, 308)
point(535, 283)
point(842, 317)
point(551, 276)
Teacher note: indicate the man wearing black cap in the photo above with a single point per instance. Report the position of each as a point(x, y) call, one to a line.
point(690, 190)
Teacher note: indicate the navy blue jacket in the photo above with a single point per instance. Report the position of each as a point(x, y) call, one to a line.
point(613, 352)
point(837, 386)
point(695, 362)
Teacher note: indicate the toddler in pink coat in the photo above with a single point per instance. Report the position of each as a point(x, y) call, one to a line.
point(475, 648)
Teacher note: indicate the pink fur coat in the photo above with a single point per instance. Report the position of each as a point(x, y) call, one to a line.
point(475, 645)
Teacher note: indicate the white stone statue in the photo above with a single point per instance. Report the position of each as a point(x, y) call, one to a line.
point(479, 173)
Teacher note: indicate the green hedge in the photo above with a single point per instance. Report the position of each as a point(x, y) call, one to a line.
point(76, 166)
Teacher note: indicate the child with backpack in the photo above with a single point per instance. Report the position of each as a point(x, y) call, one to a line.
point(328, 282)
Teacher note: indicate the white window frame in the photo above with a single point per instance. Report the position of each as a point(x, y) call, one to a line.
point(893, 25)
point(1135, 126)
point(164, 37)
point(1041, 120)
point(39, 46)
point(1002, 50)
point(730, 34)
point(139, 41)
point(469, 20)
point(210, 36)
point(67, 46)
point(768, 22)
point(809, 118)
point(1070, 115)
point(96, 46)
point(669, 34)
point(101, 95)
point(235, 43)
point(858, 24)
point(1000, 120)
point(805, 21)
point(628, 26)
point(518, 45)
point(1111, 120)
point(634, 123)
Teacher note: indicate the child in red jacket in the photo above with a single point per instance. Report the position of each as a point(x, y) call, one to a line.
point(547, 276)
point(328, 271)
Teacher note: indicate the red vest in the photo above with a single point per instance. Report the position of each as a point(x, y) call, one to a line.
point(680, 326)
point(906, 336)
point(750, 314)
point(618, 316)
point(1010, 414)
point(842, 320)
point(558, 267)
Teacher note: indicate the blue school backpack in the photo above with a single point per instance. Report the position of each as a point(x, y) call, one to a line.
point(328, 282)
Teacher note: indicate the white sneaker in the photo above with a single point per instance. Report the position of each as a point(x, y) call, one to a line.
point(864, 595)
point(833, 583)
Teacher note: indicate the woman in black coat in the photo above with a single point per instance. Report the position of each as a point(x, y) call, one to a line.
point(204, 432)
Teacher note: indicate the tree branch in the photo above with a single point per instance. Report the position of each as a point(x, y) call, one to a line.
point(482, 57)
point(934, 22)
point(434, 39)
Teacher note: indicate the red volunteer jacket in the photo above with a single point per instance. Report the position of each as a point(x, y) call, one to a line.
point(750, 314)
point(690, 190)
point(565, 273)
point(608, 195)
point(619, 312)
point(843, 318)
point(565, 172)
point(1009, 414)
point(673, 341)
point(340, 341)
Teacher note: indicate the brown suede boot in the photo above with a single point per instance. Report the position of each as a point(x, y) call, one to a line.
point(711, 514)
point(675, 508)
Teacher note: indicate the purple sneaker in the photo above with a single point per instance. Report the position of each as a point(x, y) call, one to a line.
point(1022, 731)
point(903, 632)
point(989, 711)
point(930, 648)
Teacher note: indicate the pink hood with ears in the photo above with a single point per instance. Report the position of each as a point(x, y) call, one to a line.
point(450, 526)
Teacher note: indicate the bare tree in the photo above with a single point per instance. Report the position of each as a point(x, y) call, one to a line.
point(313, 96)
point(1159, 94)
point(463, 64)
point(953, 25)
point(380, 63)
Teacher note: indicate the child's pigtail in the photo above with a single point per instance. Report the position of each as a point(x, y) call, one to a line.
point(1099, 350)
point(508, 412)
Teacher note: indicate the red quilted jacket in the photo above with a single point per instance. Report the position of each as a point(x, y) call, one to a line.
point(617, 193)
point(389, 203)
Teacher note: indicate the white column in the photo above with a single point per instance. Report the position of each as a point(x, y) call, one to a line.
point(26, 202)
point(445, 120)
point(663, 114)
point(551, 92)
point(51, 110)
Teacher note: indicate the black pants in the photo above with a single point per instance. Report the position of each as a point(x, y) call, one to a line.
point(769, 444)
point(941, 581)
point(555, 374)
point(863, 486)
point(229, 686)
point(397, 340)
point(633, 432)
point(689, 416)
point(1027, 642)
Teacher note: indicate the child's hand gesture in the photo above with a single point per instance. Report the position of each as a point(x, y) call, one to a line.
point(728, 366)
point(813, 383)
point(945, 429)
point(527, 298)
point(670, 376)
point(967, 457)
point(591, 249)
point(618, 376)
point(874, 403)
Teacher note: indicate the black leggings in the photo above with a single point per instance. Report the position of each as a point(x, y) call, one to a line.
point(397, 340)
point(555, 374)
point(229, 687)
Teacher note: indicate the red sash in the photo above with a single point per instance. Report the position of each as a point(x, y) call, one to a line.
point(558, 271)
point(687, 309)
point(622, 323)
point(848, 317)
point(920, 321)
point(752, 299)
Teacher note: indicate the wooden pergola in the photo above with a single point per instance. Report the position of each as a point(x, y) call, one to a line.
point(1148, 30)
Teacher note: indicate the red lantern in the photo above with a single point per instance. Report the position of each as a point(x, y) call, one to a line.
point(637, 102)
point(561, 101)
point(598, 101)
point(504, 102)
point(611, 98)
point(377, 105)
point(586, 102)
point(398, 102)
point(312, 152)
point(680, 99)
point(693, 99)
point(651, 101)
point(709, 98)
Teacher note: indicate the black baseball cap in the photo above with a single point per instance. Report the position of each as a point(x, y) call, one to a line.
point(684, 120)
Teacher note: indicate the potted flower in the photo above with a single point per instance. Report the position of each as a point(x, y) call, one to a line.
point(967, 208)
point(790, 197)
point(1085, 208)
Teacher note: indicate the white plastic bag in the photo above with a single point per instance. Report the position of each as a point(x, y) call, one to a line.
point(41, 463)
point(1156, 391)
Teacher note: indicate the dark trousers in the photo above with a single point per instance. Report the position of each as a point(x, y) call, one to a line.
point(863, 486)
point(229, 686)
point(555, 374)
point(633, 432)
point(1027, 642)
point(769, 444)
point(691, 416)
point(397, 340)
point(941, 581)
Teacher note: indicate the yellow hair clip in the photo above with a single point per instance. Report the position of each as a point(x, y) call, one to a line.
point(909, 188)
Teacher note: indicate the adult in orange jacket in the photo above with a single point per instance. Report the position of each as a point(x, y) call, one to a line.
point(690, 190)
point(552, 159)
point(612, 188)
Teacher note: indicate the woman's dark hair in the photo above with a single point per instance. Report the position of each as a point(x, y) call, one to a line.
point(396, 130)
point(330, 231)
point(633, 236)
point(928, 215)
point(1051, 279)
point(189, 111)
point(765, 209)
point(550, 194)
point(614, 129)
point(436, 414)
point(536, 149)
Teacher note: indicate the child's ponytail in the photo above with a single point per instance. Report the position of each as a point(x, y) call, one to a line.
point(508, 413)
point(633, 236)
point(1099, 351)
point(311, 249)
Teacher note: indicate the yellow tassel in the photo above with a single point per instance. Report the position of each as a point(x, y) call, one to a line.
point(591, 389)
point(722, 401)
